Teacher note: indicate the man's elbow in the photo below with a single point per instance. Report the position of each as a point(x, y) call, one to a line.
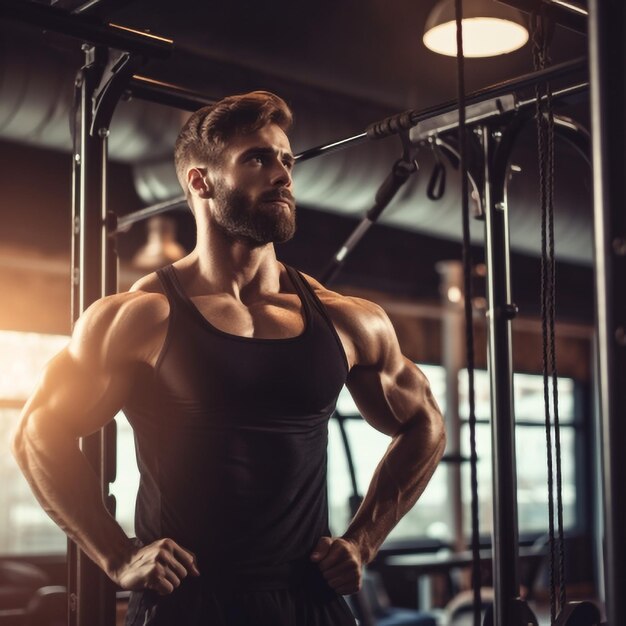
point(427, 429)
point(427, 421)
point(442, 443)
point(18, 443)
point(30, 439)
point(438, 435)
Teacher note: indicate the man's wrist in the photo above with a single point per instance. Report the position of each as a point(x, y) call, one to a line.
point(362, 546)
point(117, 558)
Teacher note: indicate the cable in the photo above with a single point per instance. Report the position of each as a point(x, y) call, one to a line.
point(545, 145)
point(552, 321)
point(469, 327)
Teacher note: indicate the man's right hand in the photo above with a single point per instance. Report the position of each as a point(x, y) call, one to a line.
point(159, 566)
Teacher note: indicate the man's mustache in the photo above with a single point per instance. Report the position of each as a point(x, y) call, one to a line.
point(280, 195)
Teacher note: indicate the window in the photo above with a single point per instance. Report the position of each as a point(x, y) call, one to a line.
point(428, 519)
point(531, 451)
point(25, 527)
point(127, 478)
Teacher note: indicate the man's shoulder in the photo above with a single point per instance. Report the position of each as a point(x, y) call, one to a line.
point(364, 327)
point(123, 325)
point(350, 312)
point(123, 308)
point(151, 283)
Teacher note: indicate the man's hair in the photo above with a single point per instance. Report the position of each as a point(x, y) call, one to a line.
point(207, 132)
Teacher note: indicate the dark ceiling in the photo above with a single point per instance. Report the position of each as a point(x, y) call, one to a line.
point(367, 49)
point(364, 56)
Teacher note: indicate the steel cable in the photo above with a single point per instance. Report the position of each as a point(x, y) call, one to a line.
point(469, 327)
point(545, 147)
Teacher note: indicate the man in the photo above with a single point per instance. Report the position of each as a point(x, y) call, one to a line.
point(228, 365)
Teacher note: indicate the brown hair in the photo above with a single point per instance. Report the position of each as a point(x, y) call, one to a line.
point(207, 131)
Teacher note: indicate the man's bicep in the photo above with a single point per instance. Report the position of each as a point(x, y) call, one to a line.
point(389, 398)
point(75, 397)
point(366, 388)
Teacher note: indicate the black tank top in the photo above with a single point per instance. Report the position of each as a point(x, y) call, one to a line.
point(231, 435)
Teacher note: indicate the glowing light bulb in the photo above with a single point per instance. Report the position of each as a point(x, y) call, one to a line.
point(489, 29)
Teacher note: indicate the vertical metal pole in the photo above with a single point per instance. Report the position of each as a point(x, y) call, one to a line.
point(89, 588)
point(453, 333)
point(596, 470)
point(108, 435)
point(607, 68)
point(505, 538)
point(76, 172)
point(77, 121)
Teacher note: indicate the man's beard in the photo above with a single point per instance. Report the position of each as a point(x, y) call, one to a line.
point(242, 218)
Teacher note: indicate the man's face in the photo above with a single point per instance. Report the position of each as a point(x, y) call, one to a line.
point(252, 198)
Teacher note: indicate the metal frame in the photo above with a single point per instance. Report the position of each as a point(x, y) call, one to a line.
point(607, 19)
point(90, 597)
point(499, 315)
point(409, 119)
point(84, 28)
point(99, 85)
point(496, 128)
point(496, 139)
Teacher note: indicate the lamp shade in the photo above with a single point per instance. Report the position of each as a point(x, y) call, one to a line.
point(161, 247)
point(489, 28)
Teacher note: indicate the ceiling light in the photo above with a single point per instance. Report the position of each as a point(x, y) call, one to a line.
point(489, 29)
point(161, 248)
point(455, 294)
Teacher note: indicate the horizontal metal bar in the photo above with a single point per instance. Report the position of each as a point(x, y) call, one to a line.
point(506, 87)
point(331, 147)
point(126, 221)
point(116, 36)
point(557, 94)
point(482, 111)
point(153, 90)
point(92, 6)
point(492, 92)
point(574, 8)
point(562, 12)
point(473, 113)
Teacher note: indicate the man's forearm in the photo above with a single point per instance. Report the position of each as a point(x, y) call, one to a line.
point(397, 483)
point(69, 491)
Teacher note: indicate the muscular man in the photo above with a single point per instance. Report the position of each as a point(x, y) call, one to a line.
point(228, 365)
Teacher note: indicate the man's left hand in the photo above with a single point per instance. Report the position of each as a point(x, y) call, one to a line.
point(340, 563)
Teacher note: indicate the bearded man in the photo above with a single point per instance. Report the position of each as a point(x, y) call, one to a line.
point(228, 365)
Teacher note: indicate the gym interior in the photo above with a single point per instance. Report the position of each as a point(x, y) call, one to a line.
point(380, 216)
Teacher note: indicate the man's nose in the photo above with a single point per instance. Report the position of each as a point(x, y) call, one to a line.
point(281, 175)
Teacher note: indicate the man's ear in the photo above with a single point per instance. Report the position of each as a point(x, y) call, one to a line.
point(199, 183)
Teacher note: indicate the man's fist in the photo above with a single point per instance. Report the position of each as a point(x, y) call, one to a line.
point(160, 566)
point(340, 564)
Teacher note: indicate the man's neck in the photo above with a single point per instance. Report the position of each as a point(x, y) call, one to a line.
point(221, 264)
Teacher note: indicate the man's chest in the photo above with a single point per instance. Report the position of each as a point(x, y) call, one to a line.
point(279, 316)
point(276, 317)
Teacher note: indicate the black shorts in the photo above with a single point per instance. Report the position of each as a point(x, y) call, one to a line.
point(291, 595)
